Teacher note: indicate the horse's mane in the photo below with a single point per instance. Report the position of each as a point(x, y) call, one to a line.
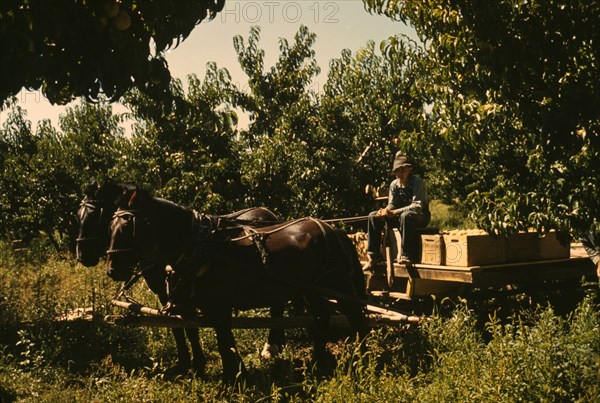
point(112, 190)
point(171, 221)
point(168, 205)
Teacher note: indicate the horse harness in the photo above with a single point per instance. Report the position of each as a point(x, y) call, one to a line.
point(202, 227)
point(92, 205)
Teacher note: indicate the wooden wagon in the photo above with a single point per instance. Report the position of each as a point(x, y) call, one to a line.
point(409, 282)
point(393, 281)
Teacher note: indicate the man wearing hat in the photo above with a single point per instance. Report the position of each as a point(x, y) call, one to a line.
point(407, 209)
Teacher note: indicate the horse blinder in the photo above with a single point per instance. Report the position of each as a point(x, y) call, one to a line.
point(123, 253)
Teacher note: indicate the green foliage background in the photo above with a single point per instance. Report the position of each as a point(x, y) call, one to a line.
point(515, 106)
point(457, 354)
point(499, 104)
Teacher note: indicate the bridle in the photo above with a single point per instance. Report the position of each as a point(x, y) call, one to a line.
point(91, 204)
point(138, 270)
point(128, 215)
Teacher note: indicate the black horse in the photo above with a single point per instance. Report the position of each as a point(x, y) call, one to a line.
point(96, 212)
point(218, 270)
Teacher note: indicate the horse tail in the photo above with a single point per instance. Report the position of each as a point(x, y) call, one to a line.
point(357, 277)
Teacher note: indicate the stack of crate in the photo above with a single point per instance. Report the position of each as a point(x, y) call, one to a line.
point(476, 248)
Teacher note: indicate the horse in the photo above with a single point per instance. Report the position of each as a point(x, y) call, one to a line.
point(219, 270)
point(94, 215)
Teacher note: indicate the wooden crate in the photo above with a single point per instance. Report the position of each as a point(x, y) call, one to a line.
point(474, 250)
point(432, 249)
point(523, 247)
point(394, 241)
point(551, 248)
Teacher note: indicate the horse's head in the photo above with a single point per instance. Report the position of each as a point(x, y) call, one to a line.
point(88, 241)
point(89, 215)
point(129, 240)
point(94, 214)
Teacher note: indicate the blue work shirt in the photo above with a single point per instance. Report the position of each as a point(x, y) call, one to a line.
point(412, 197)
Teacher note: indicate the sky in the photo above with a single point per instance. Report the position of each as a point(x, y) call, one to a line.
point(338, 24)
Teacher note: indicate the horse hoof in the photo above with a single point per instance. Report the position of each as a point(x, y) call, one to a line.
point(269, 351)
point(326, 363)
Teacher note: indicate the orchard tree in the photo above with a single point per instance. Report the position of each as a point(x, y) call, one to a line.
point(516, 106)
point(311, 154)
point(72, 48)
point(184, 149)
point(93, 140)
point(44, 173)
point(17, 147)
point(278, 151)
point(362, 94)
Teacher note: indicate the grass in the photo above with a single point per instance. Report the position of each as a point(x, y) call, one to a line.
point(533, 355)
point(447, 217)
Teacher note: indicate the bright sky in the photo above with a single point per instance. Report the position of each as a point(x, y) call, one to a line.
point(338, 24)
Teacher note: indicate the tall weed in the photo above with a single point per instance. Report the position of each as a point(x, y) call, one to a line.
point(531, 355)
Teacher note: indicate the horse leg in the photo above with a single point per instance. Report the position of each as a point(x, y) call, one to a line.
point(320, 311)
point(355, 314)
point(183, 354)
point(198, 359)
point(232, 362)
point(276, 339)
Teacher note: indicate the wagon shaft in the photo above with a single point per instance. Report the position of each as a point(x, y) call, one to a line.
point(153, 318)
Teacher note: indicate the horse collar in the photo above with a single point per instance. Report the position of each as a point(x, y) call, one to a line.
point(201, 228)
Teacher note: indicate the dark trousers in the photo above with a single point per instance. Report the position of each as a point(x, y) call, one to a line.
point(591, 244)
point(406, 222)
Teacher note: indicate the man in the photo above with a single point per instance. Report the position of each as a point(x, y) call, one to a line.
point(591, 244)
point(407, 209)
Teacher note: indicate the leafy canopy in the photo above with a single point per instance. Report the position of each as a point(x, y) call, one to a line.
point(516, 106)
point(88, 48)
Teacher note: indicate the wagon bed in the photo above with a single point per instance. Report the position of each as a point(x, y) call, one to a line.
point(407, 282)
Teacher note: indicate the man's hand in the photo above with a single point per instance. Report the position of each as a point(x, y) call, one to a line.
point(384, 213)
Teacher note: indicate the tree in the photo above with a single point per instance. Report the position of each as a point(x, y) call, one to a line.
point(44, 173)
point(516, 103)
point(17, 145)
point(362, 94)
point(311, 154)
point(184, 148)
point(276, 150)
point(92, 48)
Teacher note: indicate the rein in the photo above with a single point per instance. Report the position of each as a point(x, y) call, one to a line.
point(265, 234)
point(347, 219)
